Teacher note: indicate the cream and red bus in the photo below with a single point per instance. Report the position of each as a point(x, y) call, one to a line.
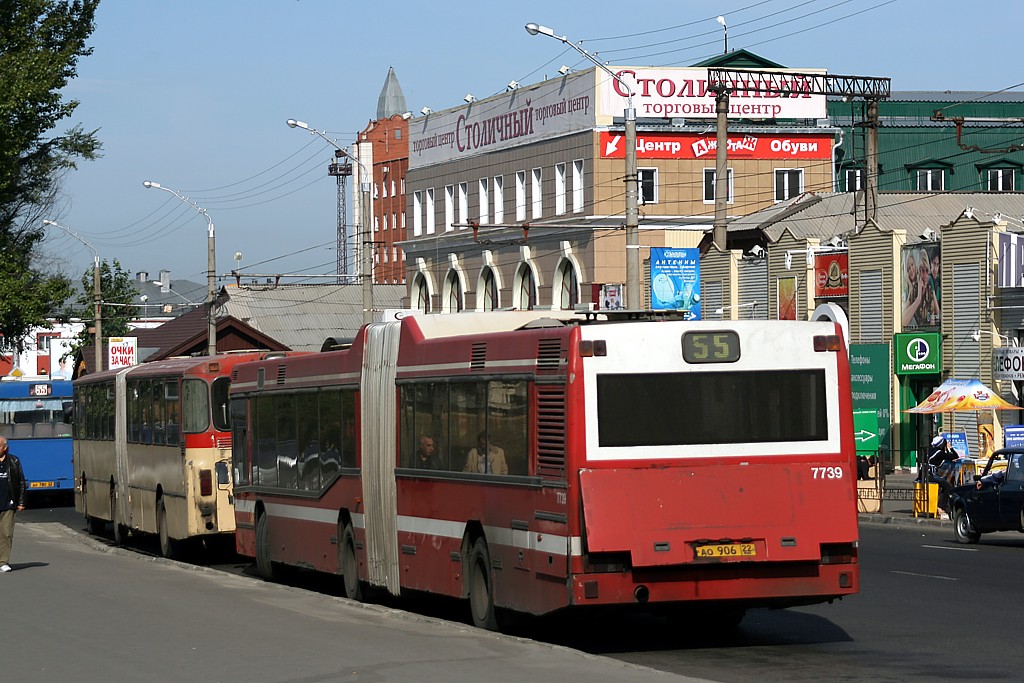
point(695, 468)
point(152, 449)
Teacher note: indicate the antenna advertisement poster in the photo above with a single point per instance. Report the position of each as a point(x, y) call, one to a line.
point(675, 280)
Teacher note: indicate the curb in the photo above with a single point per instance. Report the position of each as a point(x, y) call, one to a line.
point(889, 518)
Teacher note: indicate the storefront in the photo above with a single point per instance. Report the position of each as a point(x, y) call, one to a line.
point(917, 364)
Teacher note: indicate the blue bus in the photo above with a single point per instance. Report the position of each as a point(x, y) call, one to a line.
point(35, 416)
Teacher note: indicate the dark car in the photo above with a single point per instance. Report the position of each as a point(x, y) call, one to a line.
point(994, 501)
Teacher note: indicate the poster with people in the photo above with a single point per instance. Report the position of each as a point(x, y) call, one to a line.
point(921, 286)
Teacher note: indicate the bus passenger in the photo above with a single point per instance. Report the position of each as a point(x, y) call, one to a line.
point(426, 454)
point(494, 463)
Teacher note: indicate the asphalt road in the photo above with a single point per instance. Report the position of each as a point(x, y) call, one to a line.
point(929, 609)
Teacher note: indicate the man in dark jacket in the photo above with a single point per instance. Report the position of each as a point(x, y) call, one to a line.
point(12, 500)
point(940, 459)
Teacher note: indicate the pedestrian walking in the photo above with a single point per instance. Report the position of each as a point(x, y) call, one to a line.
point(12, 500)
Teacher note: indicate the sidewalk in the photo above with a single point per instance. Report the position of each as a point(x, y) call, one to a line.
point(900, 511)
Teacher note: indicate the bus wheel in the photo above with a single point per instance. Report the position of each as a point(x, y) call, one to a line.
point(263, 564)
point(120, 530)
point(481, 587)
point(350, 566)
point(169, 547)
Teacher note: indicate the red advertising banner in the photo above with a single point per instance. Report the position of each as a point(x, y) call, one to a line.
point(831, 275)
point(690, 146)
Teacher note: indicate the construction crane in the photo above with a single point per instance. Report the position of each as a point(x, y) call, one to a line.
point(341, 169)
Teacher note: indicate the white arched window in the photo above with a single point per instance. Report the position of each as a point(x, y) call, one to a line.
point(421, 293)
point(566, 286)
point(524, 290)
point(453, 294)
point(487, 290)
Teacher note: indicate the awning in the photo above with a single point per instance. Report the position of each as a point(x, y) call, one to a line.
point(962, 395)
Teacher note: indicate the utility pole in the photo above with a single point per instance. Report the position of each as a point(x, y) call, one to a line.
point(365, 180)
point(97, 296)
point(720, 234)
point(632, 216)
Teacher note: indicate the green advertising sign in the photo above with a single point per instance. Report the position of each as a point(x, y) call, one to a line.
point(917, 354)
point(870, 382)
point(865, 430)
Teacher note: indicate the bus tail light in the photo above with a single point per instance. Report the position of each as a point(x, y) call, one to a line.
point(593, 347)
point(206, 482)
point(828, 342)
point(838, 553)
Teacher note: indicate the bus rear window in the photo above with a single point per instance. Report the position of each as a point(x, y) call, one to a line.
point(694, 408)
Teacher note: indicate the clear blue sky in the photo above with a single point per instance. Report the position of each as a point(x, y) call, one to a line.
point(194, 94)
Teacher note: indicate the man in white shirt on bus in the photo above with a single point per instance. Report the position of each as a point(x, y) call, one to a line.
point(494, 463)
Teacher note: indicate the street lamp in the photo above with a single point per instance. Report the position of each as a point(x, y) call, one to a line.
point(97, 298)
point(366, 258)
point(211, 267)
point(632, 208)
point(721, 20)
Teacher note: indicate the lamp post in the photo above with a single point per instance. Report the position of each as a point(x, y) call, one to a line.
point(366, 227)
point(632, 206)
point(97, 297)
point(211, 265)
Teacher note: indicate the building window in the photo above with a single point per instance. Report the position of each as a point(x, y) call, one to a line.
point(384, 189)
point(384, 221)
point(1000, 180)
point(536, 198)
point(559, 189)
point(449, 208)
point(569, 285)
point(854, 179)
point(930, 179)
point(417, 213)
point(577, 186)
point(647, 185)
point(709, 186)
point(520, 195)
point(487, 292)
point(453, 292)
point(789, 182)
point(463, 205)
point(431, 216)
point(421, 293)
point(499, 199)
point(485, 201)
point(525, 288)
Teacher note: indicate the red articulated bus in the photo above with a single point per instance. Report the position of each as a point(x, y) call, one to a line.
point(534, 464)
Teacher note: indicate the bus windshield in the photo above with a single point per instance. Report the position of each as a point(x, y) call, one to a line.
point(32, 417)
point(693, 408)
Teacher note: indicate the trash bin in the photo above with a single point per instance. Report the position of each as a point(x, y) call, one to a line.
point(926, 499)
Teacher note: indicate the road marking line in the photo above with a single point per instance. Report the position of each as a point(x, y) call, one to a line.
point(946, 547)
point(927, 576)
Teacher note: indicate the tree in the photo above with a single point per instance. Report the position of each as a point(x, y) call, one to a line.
point(118, 291)
point(40, 44)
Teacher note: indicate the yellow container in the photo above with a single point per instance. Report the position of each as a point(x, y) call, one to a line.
point(926, 499)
